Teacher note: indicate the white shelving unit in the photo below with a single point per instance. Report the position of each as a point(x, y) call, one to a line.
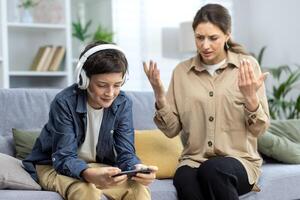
point(3, 47)
point(45, 74)
point(20, 42)
point(35, 26)
point(1, 52)
point(1, 71)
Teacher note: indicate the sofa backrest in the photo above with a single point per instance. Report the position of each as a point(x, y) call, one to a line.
point(27, 109)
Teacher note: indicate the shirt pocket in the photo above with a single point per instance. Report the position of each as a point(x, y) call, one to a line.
point(193, 110)
point(233, 110)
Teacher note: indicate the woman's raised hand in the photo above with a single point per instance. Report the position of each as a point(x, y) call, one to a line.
point(249, 84)
point(153, 76)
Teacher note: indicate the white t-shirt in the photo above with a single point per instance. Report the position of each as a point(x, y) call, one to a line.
point(87, 151)
point(211, 69)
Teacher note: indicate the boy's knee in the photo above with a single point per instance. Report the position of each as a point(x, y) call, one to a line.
point(139, 191)
point(82, 190)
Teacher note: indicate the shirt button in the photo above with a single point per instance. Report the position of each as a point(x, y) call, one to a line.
point(209, 143)
point(211, 118)
point(53, 159)
point(253, 116)
point(250, 122)
point(211, 93)
point(111, 131)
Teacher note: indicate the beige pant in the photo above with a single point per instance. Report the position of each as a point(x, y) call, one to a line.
point(74, 189)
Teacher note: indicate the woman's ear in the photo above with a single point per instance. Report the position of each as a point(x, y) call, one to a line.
point(227, 36)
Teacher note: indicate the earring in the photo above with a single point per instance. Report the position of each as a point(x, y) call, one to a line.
point(226, 46)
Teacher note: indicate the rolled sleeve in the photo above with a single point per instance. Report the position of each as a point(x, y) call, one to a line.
point(256, 121)
point(167, 121)
point(72, 167)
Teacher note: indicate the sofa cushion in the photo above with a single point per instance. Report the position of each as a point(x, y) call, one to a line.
point(163, 190)
point(282, 141)
point(13, 176)
point(24, 141)
point(29, 195)
point(7, 145)
point(154, 148)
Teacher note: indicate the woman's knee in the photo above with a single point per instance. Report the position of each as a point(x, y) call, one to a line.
point(208, 171)
point(186, 179)
point(215, 171)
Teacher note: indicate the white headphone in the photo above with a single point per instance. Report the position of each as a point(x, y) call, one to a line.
point(81, 78)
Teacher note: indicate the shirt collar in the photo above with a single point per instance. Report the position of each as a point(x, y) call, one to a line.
point(232, 58)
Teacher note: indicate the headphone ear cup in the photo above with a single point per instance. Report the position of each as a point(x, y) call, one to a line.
point(83, 80)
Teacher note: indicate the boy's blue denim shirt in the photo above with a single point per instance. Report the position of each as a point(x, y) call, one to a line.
point(65, 131)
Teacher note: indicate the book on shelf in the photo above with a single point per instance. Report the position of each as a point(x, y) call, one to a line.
point(38, 63)
point(48, 58)
point(37, 58)
point(57, 58)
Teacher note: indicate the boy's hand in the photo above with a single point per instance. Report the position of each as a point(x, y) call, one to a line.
point(145, 179)
point(102, 176)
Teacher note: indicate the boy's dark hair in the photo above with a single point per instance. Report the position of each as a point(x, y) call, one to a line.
point(104, 61)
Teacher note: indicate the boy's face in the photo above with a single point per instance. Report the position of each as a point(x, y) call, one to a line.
point(103, 89)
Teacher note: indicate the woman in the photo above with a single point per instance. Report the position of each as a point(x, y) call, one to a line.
point(89, 137)
point(216, 101)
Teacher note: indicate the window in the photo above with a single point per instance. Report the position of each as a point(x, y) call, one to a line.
point(148, 29)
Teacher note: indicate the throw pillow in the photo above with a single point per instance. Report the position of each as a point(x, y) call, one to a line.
point(282, 141)
point(24, 141)
point(154, 148)
point(13, 176)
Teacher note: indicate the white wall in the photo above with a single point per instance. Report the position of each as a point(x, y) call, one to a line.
point(149, 29)
point(274, 23)
point(140, 27)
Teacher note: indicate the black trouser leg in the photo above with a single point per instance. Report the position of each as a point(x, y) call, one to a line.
point(223, 178)
point(186, 184)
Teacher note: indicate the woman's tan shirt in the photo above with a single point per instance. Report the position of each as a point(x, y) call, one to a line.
point(209, 113)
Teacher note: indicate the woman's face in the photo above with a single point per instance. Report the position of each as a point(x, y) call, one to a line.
point(103, 89)
point(210, 41)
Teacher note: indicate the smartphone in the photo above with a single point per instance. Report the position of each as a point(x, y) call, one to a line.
point(132, 173)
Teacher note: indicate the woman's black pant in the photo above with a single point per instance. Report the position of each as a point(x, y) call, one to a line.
point(219, 178)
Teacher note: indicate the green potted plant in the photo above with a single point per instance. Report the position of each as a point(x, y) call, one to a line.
point(282, 104)
point(27, 7)
point(27, 4)
point(80, 31)
point(102, 34)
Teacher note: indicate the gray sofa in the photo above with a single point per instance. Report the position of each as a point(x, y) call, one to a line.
point(28, 109)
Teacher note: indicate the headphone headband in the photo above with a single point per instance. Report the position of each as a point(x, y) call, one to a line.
point(79, 72)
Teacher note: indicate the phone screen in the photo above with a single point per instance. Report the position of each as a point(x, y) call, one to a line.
point(131, 173)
